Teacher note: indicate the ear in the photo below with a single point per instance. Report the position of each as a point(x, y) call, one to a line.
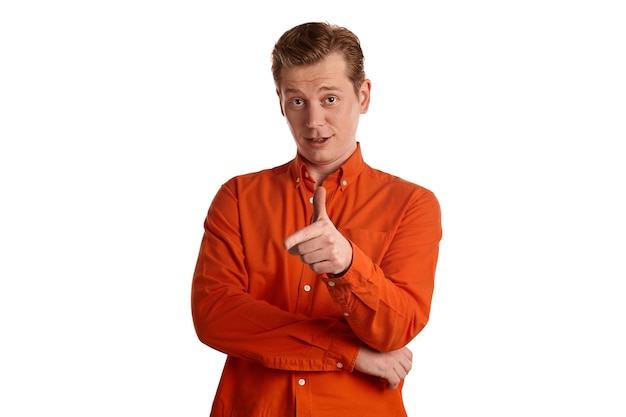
point(364, 95)
point(280, 102)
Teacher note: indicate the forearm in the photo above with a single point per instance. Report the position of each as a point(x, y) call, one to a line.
point(229, 318)
point(384, 313)
point(386, 293)
point(236, 324)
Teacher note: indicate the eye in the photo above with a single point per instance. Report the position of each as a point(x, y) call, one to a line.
point(331, 100)
point(297, 102)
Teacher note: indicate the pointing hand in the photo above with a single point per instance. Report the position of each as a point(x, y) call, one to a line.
point(320, 245)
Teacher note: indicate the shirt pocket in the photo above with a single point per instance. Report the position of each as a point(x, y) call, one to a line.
point(374, 244)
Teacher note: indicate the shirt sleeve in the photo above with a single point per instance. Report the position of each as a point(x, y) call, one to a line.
point(388, 303)
point(227, 318)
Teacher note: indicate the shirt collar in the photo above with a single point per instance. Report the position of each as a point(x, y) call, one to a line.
point(345, 176)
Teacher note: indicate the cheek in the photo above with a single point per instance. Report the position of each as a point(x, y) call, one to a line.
point(294, 119)
point(293, 123)
point(348, 119)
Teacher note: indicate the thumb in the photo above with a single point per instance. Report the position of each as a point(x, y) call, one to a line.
point(319, 204)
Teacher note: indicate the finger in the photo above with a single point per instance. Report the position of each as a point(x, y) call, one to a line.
point(405, 368)
point(395, 378)
point(407, 352)
point(391, 385)
point(292, 242)
point(319, 204)
point(406, 359)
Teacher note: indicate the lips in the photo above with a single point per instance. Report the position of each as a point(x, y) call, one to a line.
point(318, 140)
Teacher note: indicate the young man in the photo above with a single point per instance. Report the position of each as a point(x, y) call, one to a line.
point(313, 276)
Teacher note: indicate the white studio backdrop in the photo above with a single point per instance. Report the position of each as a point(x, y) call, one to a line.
point(119, 120)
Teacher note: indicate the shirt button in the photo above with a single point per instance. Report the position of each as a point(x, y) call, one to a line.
point(311, 200)
point(339, 365)
point(298, 179)
point(307, 288)
point(331, 283)
point(301, 382)
point(346, 314)
point(344, 182)
point(306, 174)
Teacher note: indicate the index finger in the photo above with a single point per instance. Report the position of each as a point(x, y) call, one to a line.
point(307, 233)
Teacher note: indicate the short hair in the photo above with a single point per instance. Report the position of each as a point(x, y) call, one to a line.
point(310, 43)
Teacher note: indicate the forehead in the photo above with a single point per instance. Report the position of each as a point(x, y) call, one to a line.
point(330, 72)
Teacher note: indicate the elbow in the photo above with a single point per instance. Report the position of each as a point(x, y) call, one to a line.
point(396, 335)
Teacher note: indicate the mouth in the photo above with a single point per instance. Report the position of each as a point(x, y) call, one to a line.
point(318, 140)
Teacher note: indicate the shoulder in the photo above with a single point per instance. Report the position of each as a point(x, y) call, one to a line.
point(401, 196)
point(393, 183)
point(258, 178)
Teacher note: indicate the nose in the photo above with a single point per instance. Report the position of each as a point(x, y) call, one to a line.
point(315, 116)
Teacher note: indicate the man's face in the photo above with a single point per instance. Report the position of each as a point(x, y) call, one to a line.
point(322, 111)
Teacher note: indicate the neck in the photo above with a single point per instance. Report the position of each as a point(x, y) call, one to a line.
point(319, 172)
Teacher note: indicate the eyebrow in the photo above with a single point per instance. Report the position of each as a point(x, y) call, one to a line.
point(323, 88)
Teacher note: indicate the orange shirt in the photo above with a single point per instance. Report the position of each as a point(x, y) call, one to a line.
point(292, 336)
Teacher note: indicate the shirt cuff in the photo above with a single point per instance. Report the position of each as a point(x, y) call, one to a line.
point(342, 352)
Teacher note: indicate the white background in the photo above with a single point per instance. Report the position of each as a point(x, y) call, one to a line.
point(120, 119)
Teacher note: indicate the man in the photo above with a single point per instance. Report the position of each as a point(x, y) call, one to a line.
point(314, 276)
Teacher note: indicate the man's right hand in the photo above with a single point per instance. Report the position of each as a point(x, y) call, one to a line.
point(392, 366)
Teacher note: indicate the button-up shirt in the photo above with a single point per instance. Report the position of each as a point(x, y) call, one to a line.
point(292, 336)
